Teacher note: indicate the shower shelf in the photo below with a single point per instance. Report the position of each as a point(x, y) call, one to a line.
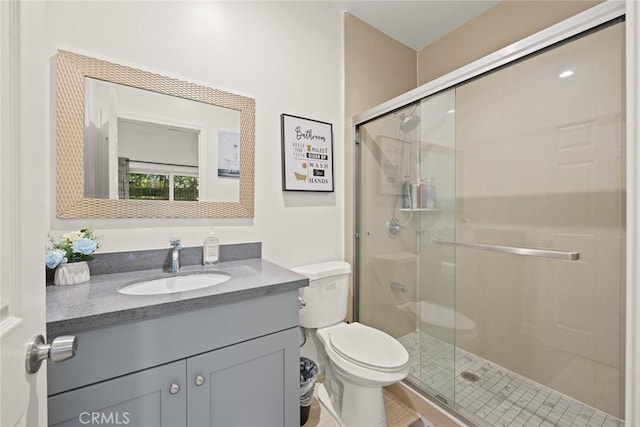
point(419, 210)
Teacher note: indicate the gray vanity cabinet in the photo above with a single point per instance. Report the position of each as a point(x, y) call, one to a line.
point(141, 399)
point(246, 384)
point(234, 364)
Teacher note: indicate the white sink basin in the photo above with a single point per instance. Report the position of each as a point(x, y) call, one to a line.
point(169, 285)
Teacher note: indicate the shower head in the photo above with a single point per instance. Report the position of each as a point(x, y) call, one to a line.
point(409, 123)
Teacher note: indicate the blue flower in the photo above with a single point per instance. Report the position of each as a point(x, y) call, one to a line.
point(84, 246)
point(55, 257)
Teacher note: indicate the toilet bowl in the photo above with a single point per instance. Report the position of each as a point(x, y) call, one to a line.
point(364, 355)
point(361, 359)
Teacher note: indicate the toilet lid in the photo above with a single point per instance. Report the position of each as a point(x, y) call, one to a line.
point(369, 347)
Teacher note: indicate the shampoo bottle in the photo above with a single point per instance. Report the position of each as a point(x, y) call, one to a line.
point(210, 250)
point(415, 195)
point(406, 193)
point(430, 193)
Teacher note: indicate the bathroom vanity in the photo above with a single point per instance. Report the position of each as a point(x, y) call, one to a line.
point(225, 355)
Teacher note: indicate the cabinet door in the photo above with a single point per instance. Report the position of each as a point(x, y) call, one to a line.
point(140, 399)
point(254, 383)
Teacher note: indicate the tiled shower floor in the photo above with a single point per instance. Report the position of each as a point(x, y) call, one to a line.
point(499, 397)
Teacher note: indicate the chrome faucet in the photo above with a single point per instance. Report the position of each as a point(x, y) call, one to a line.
point(175, 255)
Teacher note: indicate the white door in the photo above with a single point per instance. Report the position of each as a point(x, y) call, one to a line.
point(22, 227)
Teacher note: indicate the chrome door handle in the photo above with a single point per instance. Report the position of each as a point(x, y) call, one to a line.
point(547, 253)
point(199, 380)
point(174, 388)
point(301, 303)
point(60, 349)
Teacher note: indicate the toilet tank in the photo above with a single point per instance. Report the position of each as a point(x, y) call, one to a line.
point(327, 293)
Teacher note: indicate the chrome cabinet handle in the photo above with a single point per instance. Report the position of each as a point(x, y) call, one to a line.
point(199, 380)
point(301, 303)
point(175, 388)
point(60, 349)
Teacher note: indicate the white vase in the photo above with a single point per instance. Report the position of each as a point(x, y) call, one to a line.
point(72, 273)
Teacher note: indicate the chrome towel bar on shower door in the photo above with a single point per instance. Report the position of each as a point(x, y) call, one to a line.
point(571, 256)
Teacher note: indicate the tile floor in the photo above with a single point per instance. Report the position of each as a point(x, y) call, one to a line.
point(398, 414)
point(499, 397)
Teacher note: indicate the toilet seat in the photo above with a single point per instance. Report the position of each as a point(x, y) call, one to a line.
point(369, 348)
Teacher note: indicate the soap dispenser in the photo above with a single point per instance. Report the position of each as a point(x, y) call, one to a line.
point(210, 250)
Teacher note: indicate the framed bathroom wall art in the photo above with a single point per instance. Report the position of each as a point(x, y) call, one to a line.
point(307, 154)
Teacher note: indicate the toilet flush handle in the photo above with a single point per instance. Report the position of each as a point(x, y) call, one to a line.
point(301, 303)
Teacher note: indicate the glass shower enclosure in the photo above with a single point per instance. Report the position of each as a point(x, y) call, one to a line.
point(491, 230)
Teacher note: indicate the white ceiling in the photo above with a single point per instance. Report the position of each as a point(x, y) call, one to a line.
point(420, 22)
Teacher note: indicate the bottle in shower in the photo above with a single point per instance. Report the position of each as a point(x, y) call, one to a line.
point(430, 193)
point(406, 193)
point(416, 195)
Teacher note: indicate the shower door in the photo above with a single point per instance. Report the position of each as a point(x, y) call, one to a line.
point(542, 167)
point(395, 218)
point(508, 293)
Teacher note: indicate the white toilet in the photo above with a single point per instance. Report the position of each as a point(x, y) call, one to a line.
point(361, 359)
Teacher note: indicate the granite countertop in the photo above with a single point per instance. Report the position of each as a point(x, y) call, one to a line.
point(97, 303)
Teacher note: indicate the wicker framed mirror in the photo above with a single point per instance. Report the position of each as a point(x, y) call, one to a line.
point(72, 197)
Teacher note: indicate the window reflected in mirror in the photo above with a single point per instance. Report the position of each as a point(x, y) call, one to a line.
point(150, 186)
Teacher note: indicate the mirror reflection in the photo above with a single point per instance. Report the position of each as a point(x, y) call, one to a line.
point(144, 145)
point(135, 144)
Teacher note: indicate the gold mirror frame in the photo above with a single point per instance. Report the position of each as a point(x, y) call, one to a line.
point(70, 201)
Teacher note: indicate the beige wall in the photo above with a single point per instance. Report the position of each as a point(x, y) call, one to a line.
point(500, 26)
point(377, 68)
